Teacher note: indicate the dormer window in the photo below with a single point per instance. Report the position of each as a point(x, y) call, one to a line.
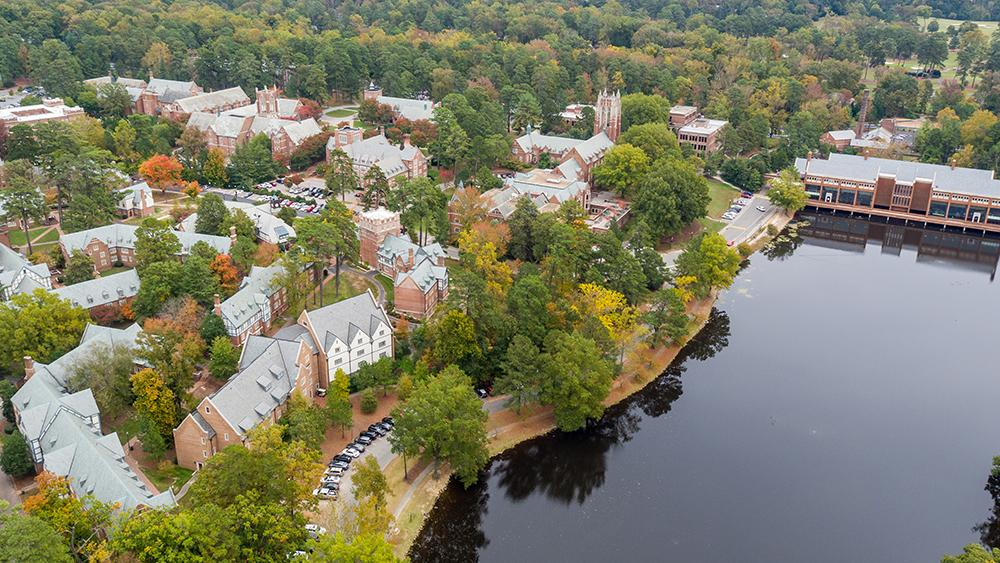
point(208, 410)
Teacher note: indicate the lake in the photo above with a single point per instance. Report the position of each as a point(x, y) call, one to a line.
point(842, 404)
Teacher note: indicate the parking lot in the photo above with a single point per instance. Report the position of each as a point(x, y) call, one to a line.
point(340, 467)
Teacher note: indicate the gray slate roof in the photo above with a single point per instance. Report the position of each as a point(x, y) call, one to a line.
point(251, 299)
point(18, 275)
point(969, 181)
point(210, 101)
point(101, 291)
point(68, 430)
point(266, 378)
point(394, 246)
point(345, 318)
point(547, 143)
point(426, 274)
point(377, 151)
point(409, 108)
point(123, 236)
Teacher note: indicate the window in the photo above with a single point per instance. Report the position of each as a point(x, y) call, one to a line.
point(204, 454)
point(381, 344)
point(360, 352)
point(208, 410)
point(338, 361)
point(203, 440)
point(225, 436)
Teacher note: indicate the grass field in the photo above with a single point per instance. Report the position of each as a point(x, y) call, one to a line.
point(174, 477)
point(387, 284)
point(351, 284)
point(115, 270)
point(721, 195)
point(987, 27)
point(343, 112)
point(17, 235)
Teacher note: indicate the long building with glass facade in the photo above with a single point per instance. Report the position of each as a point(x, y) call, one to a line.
point(946, 196)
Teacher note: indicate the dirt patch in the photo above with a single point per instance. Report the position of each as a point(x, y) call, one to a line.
point(334, 441)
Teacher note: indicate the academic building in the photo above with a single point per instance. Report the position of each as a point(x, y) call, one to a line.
point(933, 194)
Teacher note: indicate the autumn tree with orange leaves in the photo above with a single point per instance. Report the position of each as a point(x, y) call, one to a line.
point(161, 171)
point(225, 272)
point(82, 521)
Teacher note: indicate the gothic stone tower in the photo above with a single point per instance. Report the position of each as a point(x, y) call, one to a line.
point(267, 101)
point(608, 114)
point(373, 227)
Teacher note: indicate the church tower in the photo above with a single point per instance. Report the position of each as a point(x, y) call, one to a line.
point(608, 114)
point(267, 101)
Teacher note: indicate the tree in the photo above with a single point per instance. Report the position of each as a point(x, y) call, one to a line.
point(369, 403)
point(106, 370)
point(212, 327)
point(82, 521)
point(654, 139)
point(252, 163)
point(340, 176)
point(453, 338)
point(15, 460)
point(522, 376)
point(225, 358)
point(338, 402)
point(710, 261)
point(932, 51)
point(225, 273)
point(787, 191)
point(160, 281)
point(423, 208)
point(151, 437)
point(612, 309)
point(528, 302)
point(212, 212)
point(621, 169)
point(213, 171)
point(521, 222)
point(336, 548)
point(114, 101)
point(376, 188)
point(39, 325)
point(576, 379)
point(154, 242)
point(229, 474)
point(22, 202)
point(667, 317)
point(55, 69)
point(287, 214)
point(304, 421)
point(204, 533)
point(198, 280)
point(7, 391)
point(974, 553)
point(29, 539)
point(154, 400)
point(638, 109)
point(172, 346)
point(79, 268)
point(452, 144)
point(445, 420)
point(369, 481)
point(331, 235)
point(161, 171)
point(672, 195)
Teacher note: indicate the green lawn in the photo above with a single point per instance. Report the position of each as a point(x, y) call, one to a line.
point(350, 285)
point(115, 270)
point(710, 225)
point(341, 112)
point(987, 27)
point(174, 477)
point(722, 195)
point(387, 284)
point(17, 235)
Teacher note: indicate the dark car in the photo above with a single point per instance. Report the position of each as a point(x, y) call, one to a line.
point(378, 430)
point(389, 420)
point(364, 440)
point(341, 464)
point(481, 393)
point(343, 457)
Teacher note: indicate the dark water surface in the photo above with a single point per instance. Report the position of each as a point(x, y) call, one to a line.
point(842, 405)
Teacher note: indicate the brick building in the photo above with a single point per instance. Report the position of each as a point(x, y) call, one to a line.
point(692, 128)
point(115, 244)
point(373, 227)
point(102, 294)
point(396, 161)
point(419, 275)
point(206, 102)
point(52, 109)
point(136, 201)
point(254, 306)
point(270, 371)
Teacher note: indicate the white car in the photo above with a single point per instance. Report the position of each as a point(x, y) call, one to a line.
point(325, 493)
point(315, 528)
point(333, 471)
point(330, 480)
point(351, 452)
point(761, 208)
point(728, 216)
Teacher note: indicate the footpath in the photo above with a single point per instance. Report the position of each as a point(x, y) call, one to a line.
point(410, 501)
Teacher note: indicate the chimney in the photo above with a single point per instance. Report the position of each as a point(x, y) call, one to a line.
point(406, 140)
point(865, 153)
point(889, 124)
point(232, 234)
point(29, 367)
point(218, 305)
point(809, 156)
point(409, 257)
point(953, 163)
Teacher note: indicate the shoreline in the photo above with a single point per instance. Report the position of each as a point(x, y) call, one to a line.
point(411, 502)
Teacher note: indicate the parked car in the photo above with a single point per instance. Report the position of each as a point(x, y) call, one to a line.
point(384, 426)
point(351, 452)
point(481, 393)
point(761, 208)
point(377, 430)
point(320, 392)
point(364, 440)
point(728, 216)
point(342, 458)
point(315, 529)
point(331, 479)
point(389, 420)
point(325, 493)
point(746, 194)
point(334, 471)
point(357, 446)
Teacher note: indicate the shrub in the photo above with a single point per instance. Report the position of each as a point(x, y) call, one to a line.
point(368, 401)
point(16, 459)
point(744, 249)
point(772, 230)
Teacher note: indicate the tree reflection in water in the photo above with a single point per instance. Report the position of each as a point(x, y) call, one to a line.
point(564, 466)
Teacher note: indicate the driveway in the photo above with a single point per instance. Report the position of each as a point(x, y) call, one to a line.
point(382, 452)
point(749, 220)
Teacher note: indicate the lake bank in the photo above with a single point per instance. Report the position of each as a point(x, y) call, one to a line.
point(411, 501)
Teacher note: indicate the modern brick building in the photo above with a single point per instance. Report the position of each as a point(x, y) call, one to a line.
point(704, 134)
point(948, 196)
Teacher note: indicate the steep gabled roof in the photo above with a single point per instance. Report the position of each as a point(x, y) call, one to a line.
point(101, 291)
point(345, 318)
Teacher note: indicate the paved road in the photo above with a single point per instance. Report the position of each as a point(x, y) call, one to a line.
point(749, 220)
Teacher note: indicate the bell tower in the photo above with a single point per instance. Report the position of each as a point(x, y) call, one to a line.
point(267, 101)
point(608, 114)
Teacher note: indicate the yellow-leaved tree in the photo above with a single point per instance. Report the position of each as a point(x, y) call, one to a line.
point(612, 309)
point(154, 399)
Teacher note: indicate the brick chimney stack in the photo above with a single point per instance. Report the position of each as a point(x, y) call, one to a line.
point(809, 156)
point(866, 153)
point(409, 258)
point(953, 163)
point(232, 234)
point(406, 140)
point(29, 367)
point(218, 305)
